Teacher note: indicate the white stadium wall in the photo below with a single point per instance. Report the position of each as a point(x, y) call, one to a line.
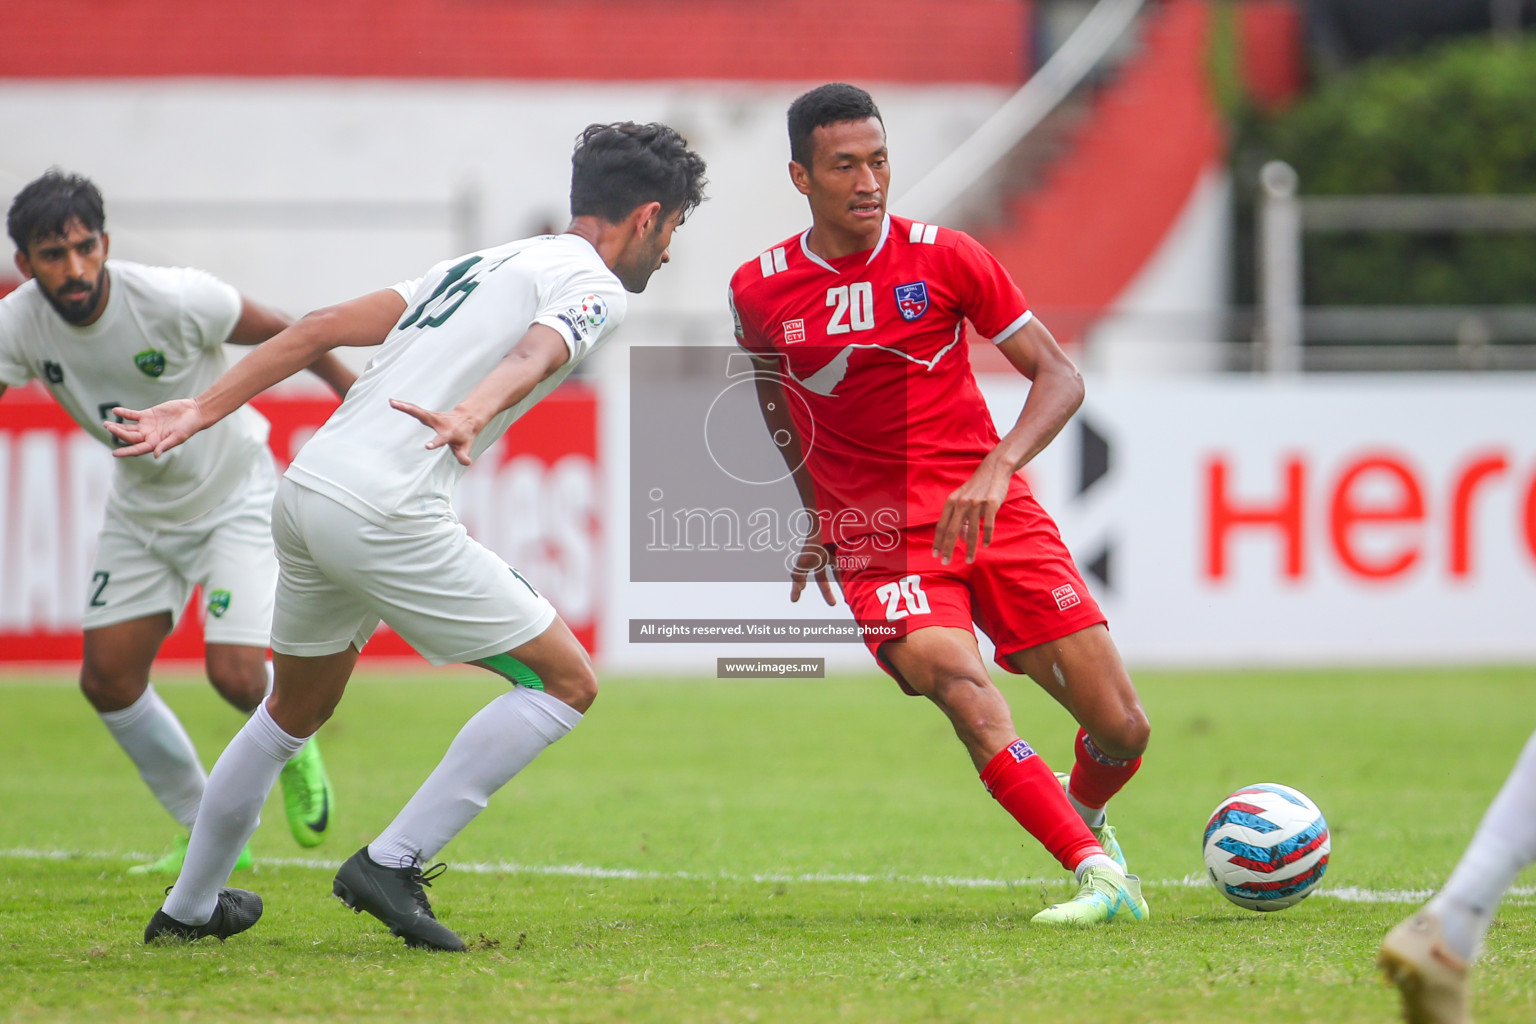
point(1313, 521)
point(1228, 521)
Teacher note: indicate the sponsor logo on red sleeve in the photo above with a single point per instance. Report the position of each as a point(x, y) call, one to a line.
point(1021, 750)
point(794, 331)
point(1066, 597)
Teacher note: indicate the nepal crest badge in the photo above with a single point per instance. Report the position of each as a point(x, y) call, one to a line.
point(912, 299)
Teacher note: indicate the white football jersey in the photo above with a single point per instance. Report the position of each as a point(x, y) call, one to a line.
point(460, 320)
point(160, 337)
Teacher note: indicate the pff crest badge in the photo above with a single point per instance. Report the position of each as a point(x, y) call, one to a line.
point(218, 603)
point(151, 362)
point(912, 299)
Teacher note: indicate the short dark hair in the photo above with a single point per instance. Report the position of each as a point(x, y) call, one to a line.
point(617, 167)
point(827, 104)
point(46, 206)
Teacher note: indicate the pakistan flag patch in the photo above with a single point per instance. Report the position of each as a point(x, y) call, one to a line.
point(151, 362)
point(218, 603)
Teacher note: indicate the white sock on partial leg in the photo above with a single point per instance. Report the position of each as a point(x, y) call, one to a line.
point(1504, 845)
point(237, 787)
point(497, 743)
point(1093, 817)
point(1096, 860)
point(152, 736)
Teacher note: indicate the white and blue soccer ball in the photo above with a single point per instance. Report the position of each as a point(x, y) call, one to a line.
point(1266, 847)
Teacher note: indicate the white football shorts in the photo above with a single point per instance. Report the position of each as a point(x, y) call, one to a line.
point(142, 570)
point(448, 596)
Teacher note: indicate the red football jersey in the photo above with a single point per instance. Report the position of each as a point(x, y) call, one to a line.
point(874, 363)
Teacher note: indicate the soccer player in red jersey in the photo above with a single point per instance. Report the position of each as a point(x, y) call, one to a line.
point(857, 328)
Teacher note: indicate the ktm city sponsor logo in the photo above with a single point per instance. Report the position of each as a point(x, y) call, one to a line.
point(1066, 597)
point(1020, 750)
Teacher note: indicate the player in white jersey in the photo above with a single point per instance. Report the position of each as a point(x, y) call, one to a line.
point(101, 333)
point(365, 530)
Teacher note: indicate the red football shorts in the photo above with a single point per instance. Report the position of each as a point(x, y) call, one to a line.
point(1023, 590)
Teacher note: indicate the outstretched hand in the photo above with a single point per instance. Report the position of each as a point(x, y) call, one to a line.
point(813, 562)
point(455, 429)
point(155, 431)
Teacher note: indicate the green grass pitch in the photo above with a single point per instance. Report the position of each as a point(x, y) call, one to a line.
point(770, 851)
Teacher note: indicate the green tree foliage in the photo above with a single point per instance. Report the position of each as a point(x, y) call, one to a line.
point(1460, 119)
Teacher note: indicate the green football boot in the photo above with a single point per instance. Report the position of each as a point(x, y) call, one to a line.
point(170, 864)
point(1105, 896)
point(307, 796)
point(1105, 833)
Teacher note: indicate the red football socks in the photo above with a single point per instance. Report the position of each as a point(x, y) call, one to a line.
point(1096, 776)
point(1021, 781)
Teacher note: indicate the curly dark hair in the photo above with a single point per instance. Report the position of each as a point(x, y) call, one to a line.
point(617, 167)
point(827, 104)
point(46, 206)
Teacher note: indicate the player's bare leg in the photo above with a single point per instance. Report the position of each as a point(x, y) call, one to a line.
point(114, 671)
point(555, 685)
point(944, 664)
point(304, 694)
point(239, 673)
point(1084, 673)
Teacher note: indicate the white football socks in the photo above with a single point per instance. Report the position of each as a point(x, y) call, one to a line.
point(152, 736)
point(497, 743)
point(1096, 860)
point(1093, 817)
point(237, 787)
point(1504, 845)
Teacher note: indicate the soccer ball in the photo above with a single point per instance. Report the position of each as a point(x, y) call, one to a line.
point(1266, 847)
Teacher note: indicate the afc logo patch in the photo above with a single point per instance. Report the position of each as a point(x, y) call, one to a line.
point(794, 331)
point(912, 299)
point(1021, 750)
point(1066, 597)
point(594, 311)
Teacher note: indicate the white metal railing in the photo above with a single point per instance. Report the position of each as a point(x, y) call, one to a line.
point(1023, 111)
point(1284, 321)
